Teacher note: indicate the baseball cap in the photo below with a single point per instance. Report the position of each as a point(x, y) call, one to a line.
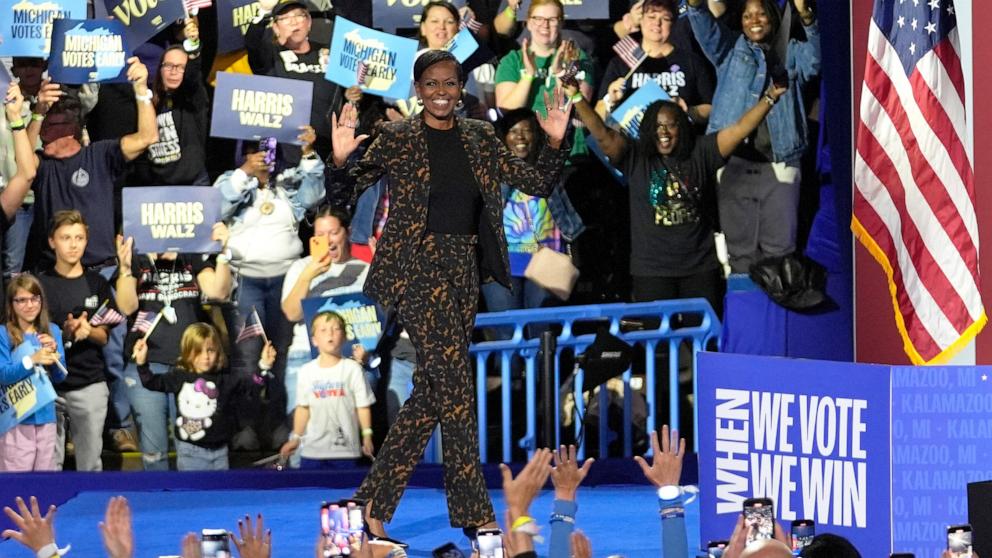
point(287, 5)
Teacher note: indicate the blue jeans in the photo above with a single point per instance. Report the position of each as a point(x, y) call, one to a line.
point(119, 412)
point(16, 239)
point(152, 411)
point(400, 384)
point(190, 457)
point(526, 294)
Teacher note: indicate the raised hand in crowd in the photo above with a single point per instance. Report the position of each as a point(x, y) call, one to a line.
point(190, 546)
point(220, 233)
point(48, 94)
point(307, 135)
point(343, 134)
point(555, 122)
point(137, 74)
point(566, 475)
point(581, 547)
point(267, 5)
point(268, 357)
point(118, 536)
point(140, 352)
point(13, 102)
point(255, 164)
point(125, 251)
point(565, 54)
point(631, 21)
point(353, 94)
point(519, 492)
point(666, 464)
point(527, 57)
point(252, 541)
point(78, 328)
point(35, 531)
point(191, 30)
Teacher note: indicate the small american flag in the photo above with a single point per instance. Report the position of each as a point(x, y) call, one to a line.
point(473, 24)
point(144, 321)
point(630, 52)
point(105, 315)
point(252, 327)
point(192, 6)
point(362, 71)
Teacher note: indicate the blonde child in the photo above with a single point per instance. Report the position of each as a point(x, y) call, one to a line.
point(332, 402)
point(29, 344)
point(204, 390)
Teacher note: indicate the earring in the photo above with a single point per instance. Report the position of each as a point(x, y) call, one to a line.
point(460, 105)
point(420, 102)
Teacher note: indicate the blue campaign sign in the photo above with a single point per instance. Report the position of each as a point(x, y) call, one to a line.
point(256, 107)
point(88, 51)
point(24, 397)
point(144, 19)
point(462, 45)
point(574, 9)
point(811, 435)
point(363, 316)
point(26, 27)
point(382, 64)
point(941, 427)
point(233, 17)
point(628, 115)
point(171, 218)
point(391, 15)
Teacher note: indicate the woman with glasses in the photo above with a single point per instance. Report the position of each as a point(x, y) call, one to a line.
point(30, 345)
point(527, 74)
point(671, 175)
point(181, 103)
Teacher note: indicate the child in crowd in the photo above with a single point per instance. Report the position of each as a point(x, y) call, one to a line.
point(28, 342)
point(332, 400)
point(204, 389)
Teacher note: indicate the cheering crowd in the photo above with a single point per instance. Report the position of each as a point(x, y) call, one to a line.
point(212, 352)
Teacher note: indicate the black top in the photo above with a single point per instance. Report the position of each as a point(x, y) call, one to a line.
point(682, 73)
point(672, 234)
point(76, 295)
point(455, 201)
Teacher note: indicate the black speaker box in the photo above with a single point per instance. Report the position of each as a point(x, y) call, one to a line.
point(980, 516)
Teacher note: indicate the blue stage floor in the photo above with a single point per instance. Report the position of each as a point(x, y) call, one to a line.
point(619, 519)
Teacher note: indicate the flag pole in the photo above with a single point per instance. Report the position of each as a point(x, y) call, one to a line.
point(261, 328)
point(158, 318)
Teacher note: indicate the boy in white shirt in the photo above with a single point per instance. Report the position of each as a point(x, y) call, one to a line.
point(333, 401)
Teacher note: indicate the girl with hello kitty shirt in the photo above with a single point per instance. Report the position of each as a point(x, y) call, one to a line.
point(203, 388)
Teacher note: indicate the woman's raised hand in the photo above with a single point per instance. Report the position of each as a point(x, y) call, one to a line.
point(343, 134)
point(555, 122)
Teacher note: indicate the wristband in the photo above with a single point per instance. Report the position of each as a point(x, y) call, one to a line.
point(144, 98)
point(525, 75)
point(520, 521)
point(366, 432)
point(510, 12)
point(556, 517)
point(35, 117)
point(576, 98)
point(672, 512)
point(51, 550)
point(769, 99)
point(293, 437)
point(526, 525)
point(16, 125)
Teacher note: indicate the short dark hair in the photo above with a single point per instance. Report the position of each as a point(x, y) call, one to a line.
point(435, 56)
point(648, 131)
point(670, 5)
point(65, 218)
point(829, 545)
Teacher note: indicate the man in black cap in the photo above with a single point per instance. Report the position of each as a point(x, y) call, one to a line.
point(289, 53)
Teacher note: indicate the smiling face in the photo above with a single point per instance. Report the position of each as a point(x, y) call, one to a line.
point(756, 22)
point(27, 305)
point(337, 238)
point(69, 243)
point(328, 334)
point(438, 27)
point(173, 69)
point(292, 27)
point(440, 90)
point(520, 138)
point(656, 25)
point(668, 131)
point(544, 23)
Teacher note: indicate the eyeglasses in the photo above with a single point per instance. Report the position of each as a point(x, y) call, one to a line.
point(549, 21)
point(169, 67)
point(298, 16)
point(23, 300)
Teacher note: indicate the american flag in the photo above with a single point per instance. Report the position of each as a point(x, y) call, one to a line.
point(192, 6)
point(914, 198)
point(144, 321)
point(473, 24)
point(105, 315)
point(630, 52)
point(252, 327)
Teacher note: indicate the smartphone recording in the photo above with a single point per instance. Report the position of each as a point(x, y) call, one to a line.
point(759, 519)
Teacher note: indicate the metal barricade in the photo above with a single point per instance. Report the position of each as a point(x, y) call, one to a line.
point(567, 317)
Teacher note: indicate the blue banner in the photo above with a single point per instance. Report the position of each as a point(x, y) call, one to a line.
point(143, 19)
point(26, 27)
point(390, 15)
point(256, 107)
point(171, 218)
point(88, 51)
point(362, 315)
point(627, 116)
point(23, 398)
point(233, 17)
point(811, 435)
point(462, 45)
point(574, 9)
point(382, 64)
point(941, 427)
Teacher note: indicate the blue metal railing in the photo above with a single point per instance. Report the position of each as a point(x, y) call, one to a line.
point(567, 318)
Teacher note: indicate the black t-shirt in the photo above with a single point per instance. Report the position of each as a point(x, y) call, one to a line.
point(173, 281)
point(681, 74)
point(74, 295)
point(672, 230)
point(455, 201)
point(84, 182)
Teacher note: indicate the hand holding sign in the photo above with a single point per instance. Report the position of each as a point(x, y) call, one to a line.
point(124, 251)
point(343, 134)
point(48, 95)
point(306, 138)
point(137, 74)
point(14, 102)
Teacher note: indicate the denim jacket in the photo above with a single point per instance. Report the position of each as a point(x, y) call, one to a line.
point(302, 187)
point(742, 79)
point(566, 218)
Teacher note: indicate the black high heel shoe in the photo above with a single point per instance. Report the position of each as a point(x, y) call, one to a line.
point(370, 536)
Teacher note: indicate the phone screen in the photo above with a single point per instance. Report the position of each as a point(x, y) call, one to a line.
point(715, 549)
point(490, 543)
point(759, 518)
point(802, 533)
point(213, 544)
point(334, 530)
point(959, 541)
